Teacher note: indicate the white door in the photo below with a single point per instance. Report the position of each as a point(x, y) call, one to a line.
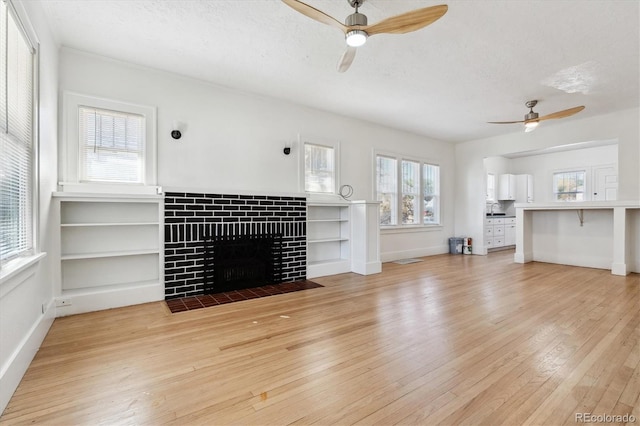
point(605, 183)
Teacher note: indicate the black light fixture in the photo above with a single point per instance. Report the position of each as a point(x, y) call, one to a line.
point(287, 148)
point(176, 133)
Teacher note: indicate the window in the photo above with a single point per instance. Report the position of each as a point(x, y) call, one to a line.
point(108, 142)
point(319, 168)
point(411, 193)
point(112, 146)
point(387, 188)
point(569, 186)
point(17, 145)
point(408, 191)
point(491, 187)
point(431, 189)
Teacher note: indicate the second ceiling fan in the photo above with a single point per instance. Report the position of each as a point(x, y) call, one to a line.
point(357, 30)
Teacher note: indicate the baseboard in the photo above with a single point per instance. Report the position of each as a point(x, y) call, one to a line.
point(366, 268)
point(390, 256)
point(101, 298)
point(572, 260)
point(13, 371)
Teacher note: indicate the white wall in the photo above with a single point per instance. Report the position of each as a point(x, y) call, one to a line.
point(23, 325)
point(470, 190)
point(542, 167)
point(233, 141)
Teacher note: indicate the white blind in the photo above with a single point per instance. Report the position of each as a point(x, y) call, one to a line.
point(319, 168)
point(111, 146)
point(16, 138)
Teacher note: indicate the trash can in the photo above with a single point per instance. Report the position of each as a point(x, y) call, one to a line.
point(455, 245)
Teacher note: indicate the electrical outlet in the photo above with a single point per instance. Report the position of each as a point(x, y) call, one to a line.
point(63, 301)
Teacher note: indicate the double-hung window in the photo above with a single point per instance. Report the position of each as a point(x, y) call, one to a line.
point(111, 146)
point(108, 143)
point(408, 191)
point(569, 185)
point(320, 168)
point(17, 140)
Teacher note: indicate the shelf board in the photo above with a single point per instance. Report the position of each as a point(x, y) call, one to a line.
point(327, 220)
point(326, 240)
point(326, 262)
point(107, 288)
point(73, 225)
point(78, 256)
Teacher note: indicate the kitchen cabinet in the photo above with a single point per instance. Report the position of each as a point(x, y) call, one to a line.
point(510, 231)
point(524, 188)
point(499, 231)
point(507, 187)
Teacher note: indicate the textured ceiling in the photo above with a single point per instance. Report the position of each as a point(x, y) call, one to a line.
point(478, 63)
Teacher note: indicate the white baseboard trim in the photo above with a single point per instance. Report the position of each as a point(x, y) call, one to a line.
point(98, 299)
point(619, 269)
point(366, 268)
point(567, 259)
point(13, 371)
point(390, 256)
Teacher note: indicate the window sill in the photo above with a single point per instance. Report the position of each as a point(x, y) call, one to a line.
point(16, 271)
point(384, 230)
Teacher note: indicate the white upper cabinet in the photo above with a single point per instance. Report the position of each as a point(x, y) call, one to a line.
point(524, 189)
point(507, 187)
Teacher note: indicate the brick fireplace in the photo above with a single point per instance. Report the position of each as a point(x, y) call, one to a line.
point(190, 218)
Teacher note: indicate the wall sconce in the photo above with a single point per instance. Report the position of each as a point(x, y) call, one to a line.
point(287, 148)
point(176, 133)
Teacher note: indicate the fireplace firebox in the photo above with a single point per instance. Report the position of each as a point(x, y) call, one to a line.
point(235, 262)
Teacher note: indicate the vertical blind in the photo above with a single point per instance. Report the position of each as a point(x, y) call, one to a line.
point(16, 138)
point(111, 146)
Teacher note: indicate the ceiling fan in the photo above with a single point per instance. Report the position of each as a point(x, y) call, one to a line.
point(531, 120)
point(357, 30)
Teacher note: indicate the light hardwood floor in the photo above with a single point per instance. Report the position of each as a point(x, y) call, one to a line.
point(450, 340)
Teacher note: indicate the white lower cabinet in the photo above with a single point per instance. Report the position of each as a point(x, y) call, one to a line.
point(499, 232)
point(111, 251)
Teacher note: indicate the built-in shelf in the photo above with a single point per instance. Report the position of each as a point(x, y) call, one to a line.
point(328, 235)
point(110, 251)
point(71, 225)
point(77, 256)
point(326, 240)
point(343, 237)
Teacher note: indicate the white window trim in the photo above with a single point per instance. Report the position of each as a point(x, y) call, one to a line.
point(301, 168)
point(587, 183)
point(15, 271)
point(70, 164)
point(401, 228)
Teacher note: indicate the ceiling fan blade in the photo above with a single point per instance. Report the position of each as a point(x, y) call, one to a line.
point(505, 122)
point(315, 14)
point(347, 58)
point(562, 114)
point(407, 22)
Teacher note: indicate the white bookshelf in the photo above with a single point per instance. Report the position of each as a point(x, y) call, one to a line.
point(111, 251)
point(343, 237)
point(328, 238)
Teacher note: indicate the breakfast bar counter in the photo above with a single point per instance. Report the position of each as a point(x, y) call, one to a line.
point(598, 234)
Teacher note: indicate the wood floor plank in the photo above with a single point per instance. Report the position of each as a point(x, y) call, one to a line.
point(450, 340)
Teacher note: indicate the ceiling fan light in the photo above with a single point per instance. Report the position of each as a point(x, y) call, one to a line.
point(530, 126)
point(356, 38)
